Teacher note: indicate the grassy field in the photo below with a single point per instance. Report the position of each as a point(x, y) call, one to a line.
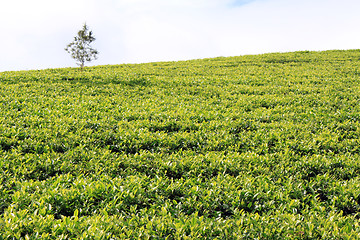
point(250, 147)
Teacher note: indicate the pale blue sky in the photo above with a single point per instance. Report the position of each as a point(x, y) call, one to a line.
point(238, 3)
point(34, 33)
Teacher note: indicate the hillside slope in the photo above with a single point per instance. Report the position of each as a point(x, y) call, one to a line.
point(264, 146)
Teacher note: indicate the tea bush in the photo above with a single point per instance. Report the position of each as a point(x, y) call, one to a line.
point(250, 147)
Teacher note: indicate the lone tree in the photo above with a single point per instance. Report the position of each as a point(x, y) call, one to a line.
point(80, 48)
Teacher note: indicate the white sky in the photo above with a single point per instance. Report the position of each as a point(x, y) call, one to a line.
point(34, 33)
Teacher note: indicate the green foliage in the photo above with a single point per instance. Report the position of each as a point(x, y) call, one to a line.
point(251, 147)
point(80, 48)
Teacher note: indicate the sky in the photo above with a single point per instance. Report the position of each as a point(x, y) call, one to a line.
point(34, 33)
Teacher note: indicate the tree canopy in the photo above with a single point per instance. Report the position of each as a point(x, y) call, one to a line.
point(80, 49)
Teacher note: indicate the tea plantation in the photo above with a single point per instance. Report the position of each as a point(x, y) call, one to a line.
point(250, 147)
